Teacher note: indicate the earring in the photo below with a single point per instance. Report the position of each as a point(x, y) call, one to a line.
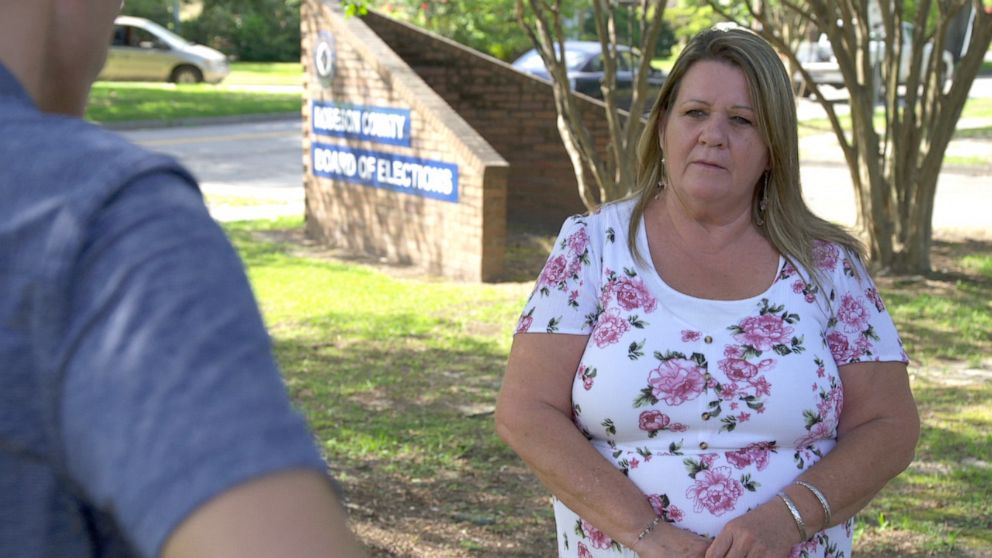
point(763, 204)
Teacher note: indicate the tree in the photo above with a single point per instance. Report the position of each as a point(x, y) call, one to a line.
point(258, 30)
point(894, 161)
point(599, 180)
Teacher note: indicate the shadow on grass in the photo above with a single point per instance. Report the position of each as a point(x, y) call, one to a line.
point(407, 423)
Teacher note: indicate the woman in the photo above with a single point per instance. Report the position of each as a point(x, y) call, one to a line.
point(727, 381)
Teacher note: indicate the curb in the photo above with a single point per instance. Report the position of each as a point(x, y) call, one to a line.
point(130, 125)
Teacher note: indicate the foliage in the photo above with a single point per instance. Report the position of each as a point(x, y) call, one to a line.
point(159, 11)
point(254, 30)
point(492, 30)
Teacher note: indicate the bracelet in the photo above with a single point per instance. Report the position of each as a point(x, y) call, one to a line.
point(647, 530)
point(819, 496)
point(795, 515)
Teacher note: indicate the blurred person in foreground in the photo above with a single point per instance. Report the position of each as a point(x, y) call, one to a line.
point(142, 413)
point(706, 368)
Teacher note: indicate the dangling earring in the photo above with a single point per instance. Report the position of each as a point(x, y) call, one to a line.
point(763, 204)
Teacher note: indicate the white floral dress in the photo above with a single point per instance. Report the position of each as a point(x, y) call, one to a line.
point(710, 407)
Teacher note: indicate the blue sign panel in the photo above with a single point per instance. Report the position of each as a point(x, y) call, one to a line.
point(378, 124)
point(409, 175)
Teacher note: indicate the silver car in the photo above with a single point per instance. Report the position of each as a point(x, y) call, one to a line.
point(142, 50)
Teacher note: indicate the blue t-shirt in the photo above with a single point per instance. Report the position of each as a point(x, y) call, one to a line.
point(137, 376)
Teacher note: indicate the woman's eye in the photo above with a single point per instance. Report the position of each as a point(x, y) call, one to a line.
point(741, 120)
point(695, 113)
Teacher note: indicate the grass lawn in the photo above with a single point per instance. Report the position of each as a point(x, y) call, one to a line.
point(249, 89)
point(979, 107)
point(398, 375)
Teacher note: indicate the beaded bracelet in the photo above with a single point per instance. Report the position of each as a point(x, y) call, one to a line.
point(795, 515)
point(823, 501)
point(647, 530)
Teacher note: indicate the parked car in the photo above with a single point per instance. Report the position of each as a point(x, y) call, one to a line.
point(584, 64)
point(819, 61)
point(142, 50)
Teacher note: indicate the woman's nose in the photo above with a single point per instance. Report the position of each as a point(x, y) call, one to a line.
point(714, 133)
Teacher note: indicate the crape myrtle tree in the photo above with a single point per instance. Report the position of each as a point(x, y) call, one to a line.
point(894, 158)
point(600, 179)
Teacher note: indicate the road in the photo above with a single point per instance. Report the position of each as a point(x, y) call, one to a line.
point(254, 170)
point(246, 170)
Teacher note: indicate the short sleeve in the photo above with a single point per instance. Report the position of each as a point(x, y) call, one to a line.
point(171, 394)
point(860, 328)
point(566, 296)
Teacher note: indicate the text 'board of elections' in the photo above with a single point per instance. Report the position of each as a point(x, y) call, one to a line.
point(390, 171)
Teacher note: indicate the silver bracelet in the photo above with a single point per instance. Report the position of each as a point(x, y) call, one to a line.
point(795, 515)
point(647, 530)
point(823, 501)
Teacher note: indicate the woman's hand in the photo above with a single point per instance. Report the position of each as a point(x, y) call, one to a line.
point(668, 541)
point(768, 531)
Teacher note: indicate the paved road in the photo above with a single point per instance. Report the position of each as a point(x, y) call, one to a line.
point(238, 163)
point(263, 160)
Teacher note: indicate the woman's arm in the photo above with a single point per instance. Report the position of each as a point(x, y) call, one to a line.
point(534, 416)
point(876, 439)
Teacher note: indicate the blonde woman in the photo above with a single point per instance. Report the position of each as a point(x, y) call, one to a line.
point(706, 369)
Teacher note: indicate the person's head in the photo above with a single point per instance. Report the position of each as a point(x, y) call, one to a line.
point(784, 219)
point(770, 94)
point(56, 48)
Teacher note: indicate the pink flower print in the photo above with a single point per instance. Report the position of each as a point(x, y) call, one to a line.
point(596, 537)
point(634, 463)
point(756, 453)
point(728, 391)
point(525, 322)
point(577, 242)
point(689, 336)
point(805, 548)
point(761, 387)
point(609, 329)
point(675, 514)
point(715, 490)
point(819, 431)
point(554, 271)
point(632, 294)
point(574, 267)
point(875, 299)
point(852, 314)
point(587, 374)
point(738, 369)
point(733, 351)
point(676, 381)
point(655, 421)
point(798, 286)
point(825, 255)
point(743, 417)
point(733, 406)
point(584, 551)
point(763, 332)
point(840, 347)
point(657, 504)
point(708, 459)
point(788, 270)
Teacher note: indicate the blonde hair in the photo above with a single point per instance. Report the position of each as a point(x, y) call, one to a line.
point(788, 223)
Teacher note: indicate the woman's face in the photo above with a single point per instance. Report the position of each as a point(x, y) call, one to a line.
point(714, 153)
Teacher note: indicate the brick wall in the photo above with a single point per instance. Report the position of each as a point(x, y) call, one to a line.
point(513, 111)
point(464, 240)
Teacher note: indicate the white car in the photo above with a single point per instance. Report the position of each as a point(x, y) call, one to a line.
point(818, 59)
point(142, 50)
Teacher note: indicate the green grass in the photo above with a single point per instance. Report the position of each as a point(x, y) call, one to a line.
point(259, 73)
point(398, 376)
point(116, 102)
point(251, 88)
